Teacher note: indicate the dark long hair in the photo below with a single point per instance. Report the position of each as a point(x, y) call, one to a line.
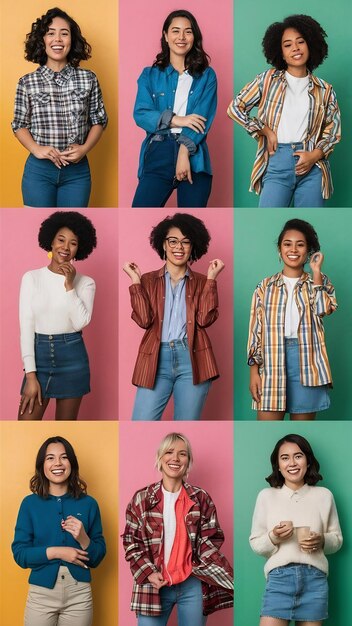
point(197, 60)
point(39, 483)
point(312, 474)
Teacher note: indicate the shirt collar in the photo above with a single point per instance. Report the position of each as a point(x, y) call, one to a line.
point(58, 77)
point(292, 494)
point(313, 80)
point(163, 270)
point(155, 493)
point(278, 279)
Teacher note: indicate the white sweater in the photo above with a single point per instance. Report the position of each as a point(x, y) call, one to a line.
point(309, 506)
point(46, 307)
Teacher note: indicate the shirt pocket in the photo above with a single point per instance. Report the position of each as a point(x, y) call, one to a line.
point(160, 100)
point(40, 99)
point(79, 101)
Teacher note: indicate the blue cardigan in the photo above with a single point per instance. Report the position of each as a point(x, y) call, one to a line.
point(154, 106)
point(39, 527)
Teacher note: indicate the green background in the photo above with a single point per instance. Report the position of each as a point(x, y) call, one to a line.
point(251, 20)
point(254, 443)
point(256, 256)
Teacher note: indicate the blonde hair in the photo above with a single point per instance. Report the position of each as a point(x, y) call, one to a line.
point(167, 443)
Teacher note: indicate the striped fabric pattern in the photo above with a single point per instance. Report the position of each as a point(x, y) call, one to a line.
point(266, 340)
point(267, 92)
point(143, 542)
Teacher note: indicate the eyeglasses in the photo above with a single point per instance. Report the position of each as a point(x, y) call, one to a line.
point(173, 241)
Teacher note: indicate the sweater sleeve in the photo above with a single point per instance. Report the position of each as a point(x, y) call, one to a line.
point(27, 323)
point(259, 539)
point(207, 311)
point(135, 551)
point(97, 548)
point(81, 306)
point(25, 553)
point(332, 532)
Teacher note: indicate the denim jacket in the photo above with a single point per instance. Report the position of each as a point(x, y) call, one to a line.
point(154, 107)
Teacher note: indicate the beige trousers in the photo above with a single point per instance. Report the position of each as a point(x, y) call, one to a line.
point(68, 604)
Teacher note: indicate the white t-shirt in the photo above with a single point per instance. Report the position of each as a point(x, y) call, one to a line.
point(291, 312)
point(169, 519)
point(46, 307)
point(294, 116)
point(181, 96)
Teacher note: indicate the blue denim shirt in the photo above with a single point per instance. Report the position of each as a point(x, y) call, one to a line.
point(154, 107)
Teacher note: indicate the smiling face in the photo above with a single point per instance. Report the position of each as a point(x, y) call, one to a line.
point(292, 465)
point(180, 38)
point(57, 42)
point(64, 246)
point(295, 52)
point(174, 462)
point(178, 254)
point(57, 468)
point(294, 252)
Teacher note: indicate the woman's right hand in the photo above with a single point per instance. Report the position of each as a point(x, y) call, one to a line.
point(255, 383)
point(50, 153)
point(66, 553)
point(32, 393)
point(156, 580)
point(283, 531)
point(132, 270)
point(193, 121)
point(271, 139)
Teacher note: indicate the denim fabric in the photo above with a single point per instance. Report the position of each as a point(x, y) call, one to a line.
point(296, 592)
point(174, 376)
point(158, 181)
point(44, 185)
point(62, 365)
point(281, 185)
point(187, 596)
point(300, 398)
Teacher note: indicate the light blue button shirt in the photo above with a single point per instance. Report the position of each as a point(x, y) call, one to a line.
point(175, 314)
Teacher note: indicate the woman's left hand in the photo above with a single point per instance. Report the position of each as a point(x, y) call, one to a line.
point(183, 166)
point(215, 267)
point(316, 261)
point(314, 542)
point(75, 527)
point(307, 160)
point(69, 272)
point(74, 153)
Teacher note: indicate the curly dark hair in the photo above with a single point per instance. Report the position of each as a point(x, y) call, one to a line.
point(312, 475)
point(197, 60)
point(35, 47)
point(311, 31)
point(39, 483)
point(190, 227)
point(306, 229)
point(80, 225)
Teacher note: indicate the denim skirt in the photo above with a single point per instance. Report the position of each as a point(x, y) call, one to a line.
point(296, 592)
point(299, 398)
point(62, 365)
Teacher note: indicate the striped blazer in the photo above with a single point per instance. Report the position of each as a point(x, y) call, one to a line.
point(148, 300)
point(266, 340)
point(143, 544)
point(267, 92)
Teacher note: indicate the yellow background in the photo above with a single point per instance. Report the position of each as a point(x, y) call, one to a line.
point(98, 23)
point(96, 447)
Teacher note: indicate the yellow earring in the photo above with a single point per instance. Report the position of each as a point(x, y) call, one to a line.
point(50, 255)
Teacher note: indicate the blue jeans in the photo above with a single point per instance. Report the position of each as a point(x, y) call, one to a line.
point(281, 185)
point(189, 601)
point(174, 375)
point(44, 185)
point(158, 179)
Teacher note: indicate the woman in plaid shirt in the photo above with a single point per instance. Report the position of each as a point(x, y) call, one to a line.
point(172, 542)
point(59, 114)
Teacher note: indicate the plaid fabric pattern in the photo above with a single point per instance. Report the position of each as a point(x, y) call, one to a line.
point(267, 92)
point(266, 340)
point(143, 543)
point(59, 108)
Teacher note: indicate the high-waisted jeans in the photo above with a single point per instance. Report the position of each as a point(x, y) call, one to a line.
point(187, 596)
point(174, 376)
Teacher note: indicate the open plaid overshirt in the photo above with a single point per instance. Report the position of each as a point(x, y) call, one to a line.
point(59, 108)
point(143, 543)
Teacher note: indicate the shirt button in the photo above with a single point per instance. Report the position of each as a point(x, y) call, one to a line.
point(59, 499)
point(63, 577)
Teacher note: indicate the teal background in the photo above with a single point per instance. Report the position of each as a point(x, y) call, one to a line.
point(251, 20)
point(254, 443)
point(256, 256)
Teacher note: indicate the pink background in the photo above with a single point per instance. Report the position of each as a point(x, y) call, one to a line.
point(19, 253)
point(140, 32)
point(134, 229)
point(212, 445)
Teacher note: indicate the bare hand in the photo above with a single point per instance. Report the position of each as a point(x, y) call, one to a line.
point(194, 121)
point(75, 527)
point(255, 383)
point(314, 542)
point(32, 393)
point(316, 261)
point(50, 153)
point(283, 531)
point(132, 270)
point(156, 580)
point(271, 140)
point(215, 267)
point(74, 153)
point(183, 166)
point(71, 555)
point(69, 272)
point(305, 162)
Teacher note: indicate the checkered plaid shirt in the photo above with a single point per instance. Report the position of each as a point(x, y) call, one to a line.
point(59, 108)
point(143, 543)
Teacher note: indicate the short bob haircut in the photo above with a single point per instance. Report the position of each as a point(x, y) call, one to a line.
point(312, 33)
point(312, 475)
point(190, 226)
point(167, 443)
point(197, 60)
point(35, 47)
point(39, 483)
point(80, 225)
point(306, 229)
